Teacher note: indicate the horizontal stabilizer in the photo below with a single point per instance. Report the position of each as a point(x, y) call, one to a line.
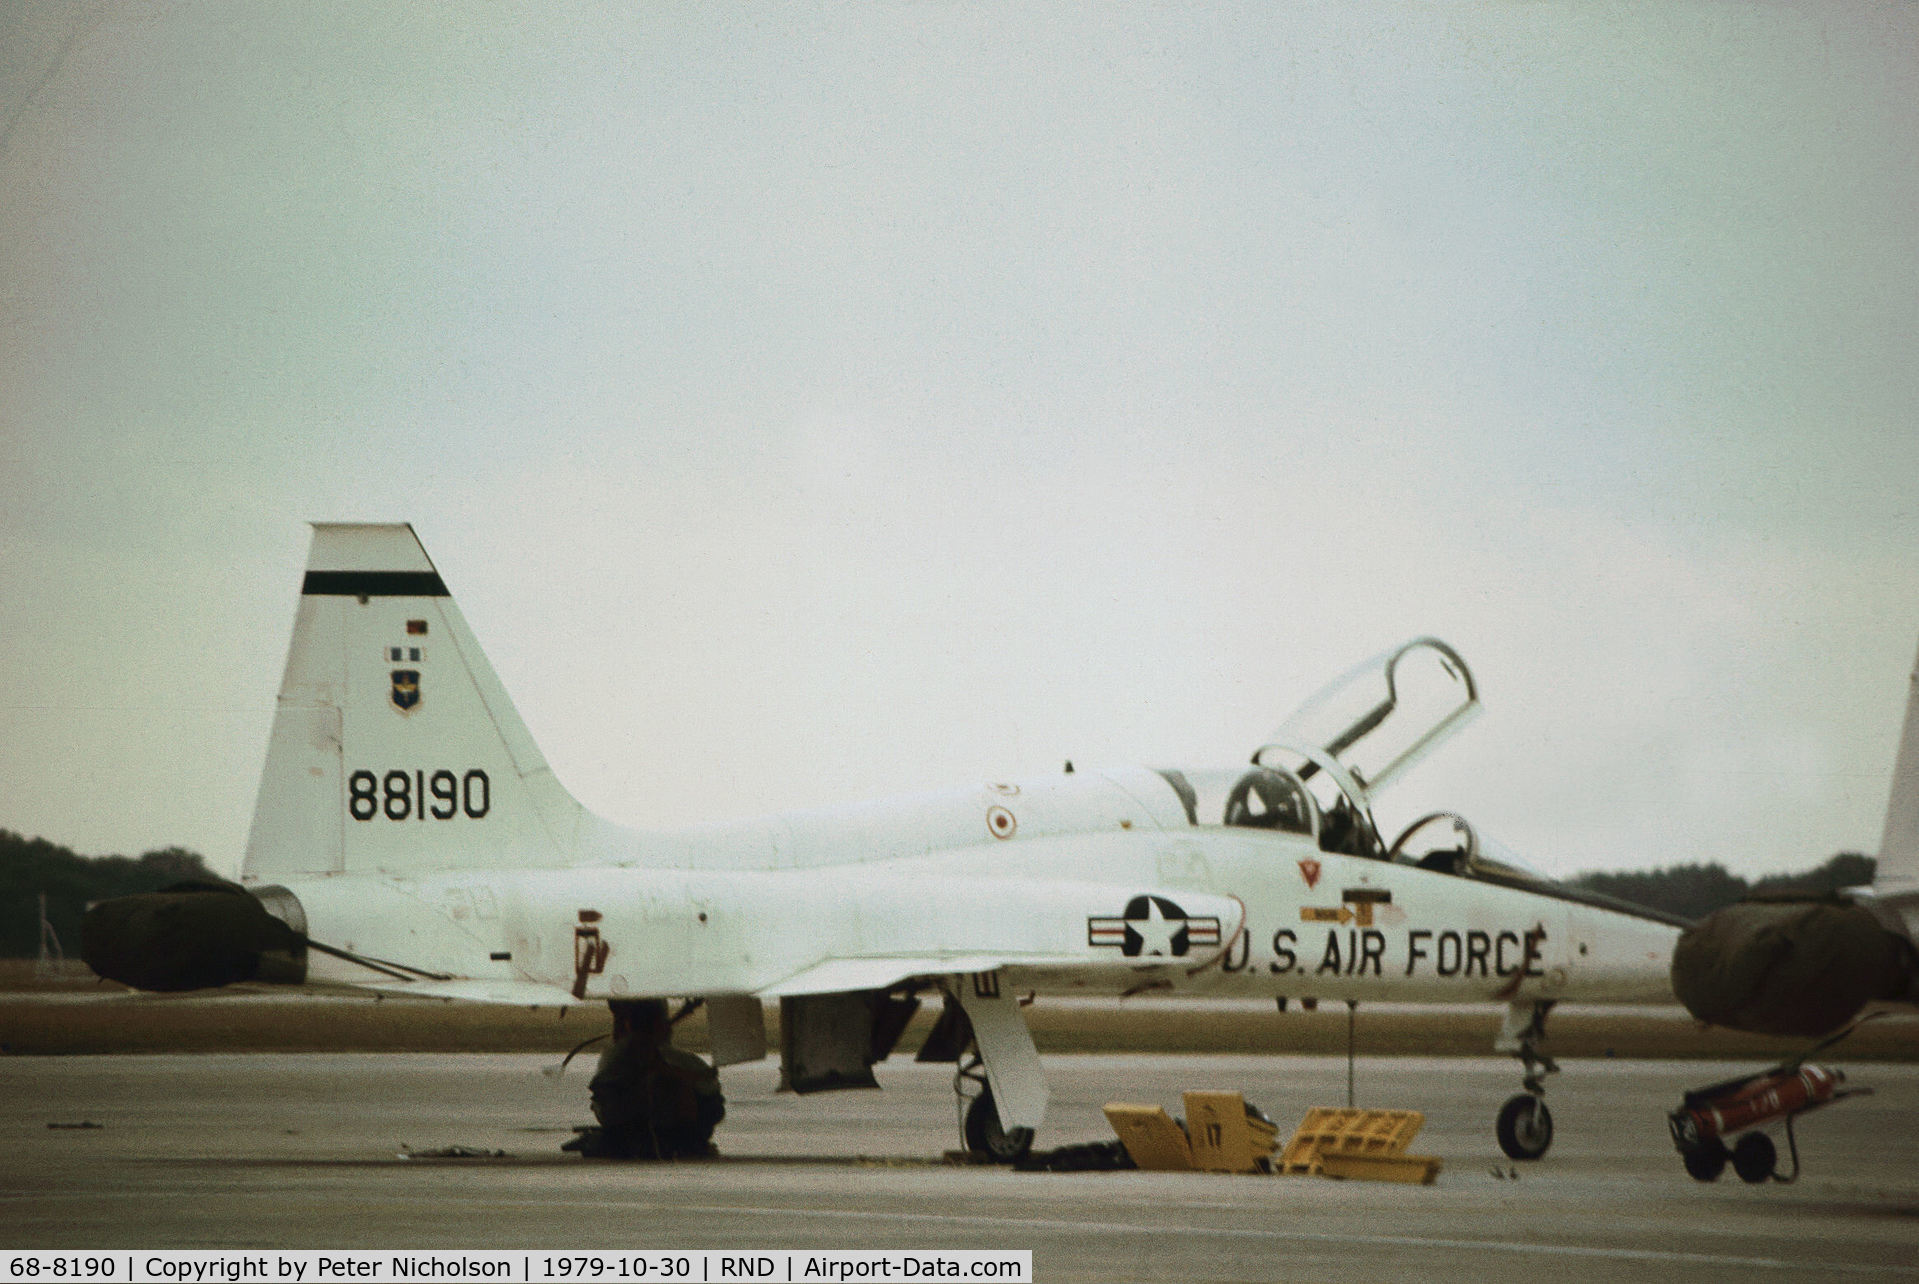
point(505, 993)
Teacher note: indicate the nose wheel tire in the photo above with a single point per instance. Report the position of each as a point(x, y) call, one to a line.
point(986, 1139)
point(1525, 1127)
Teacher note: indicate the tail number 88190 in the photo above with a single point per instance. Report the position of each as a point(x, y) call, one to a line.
point(418, 794)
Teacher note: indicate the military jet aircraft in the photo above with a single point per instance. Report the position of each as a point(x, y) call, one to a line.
point(409, 837)
point(1805, 965)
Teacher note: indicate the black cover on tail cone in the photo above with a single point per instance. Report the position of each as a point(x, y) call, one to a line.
point(189, 937)
point(1796, 967)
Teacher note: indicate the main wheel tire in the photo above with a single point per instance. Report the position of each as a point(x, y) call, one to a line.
point(1755, 1157)
point(1705, 1161)
point(987, 1139)
point(1525, 1127)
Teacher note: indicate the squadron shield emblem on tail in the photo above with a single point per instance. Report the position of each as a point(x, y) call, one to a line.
point(406, 690)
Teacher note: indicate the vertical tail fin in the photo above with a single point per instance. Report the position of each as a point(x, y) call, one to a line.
point(1899, 845)
point(394, 747)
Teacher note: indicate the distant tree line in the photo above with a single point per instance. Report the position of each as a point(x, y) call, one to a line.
point(1698, 890)
point(29, 866)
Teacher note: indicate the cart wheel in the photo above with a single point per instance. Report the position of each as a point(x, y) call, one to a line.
point(1755, 1157)
point(1705, 1161)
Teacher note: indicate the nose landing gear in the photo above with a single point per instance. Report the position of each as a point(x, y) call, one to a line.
point(1525, 1125)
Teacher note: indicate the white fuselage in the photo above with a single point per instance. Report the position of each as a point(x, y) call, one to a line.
point(1034, 880)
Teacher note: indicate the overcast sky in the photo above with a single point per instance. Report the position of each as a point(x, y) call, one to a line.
point(813, 403)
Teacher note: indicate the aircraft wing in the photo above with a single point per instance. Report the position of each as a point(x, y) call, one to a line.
point(929, 928)
point(838, 975)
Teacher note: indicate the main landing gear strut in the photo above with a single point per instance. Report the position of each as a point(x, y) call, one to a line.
point(997, 1076)
point(1525, 1126)
point(652, 1100)
point(986, 1137)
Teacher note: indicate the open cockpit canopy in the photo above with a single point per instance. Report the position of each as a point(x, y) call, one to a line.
point(1378, 719)
point(1316, 775)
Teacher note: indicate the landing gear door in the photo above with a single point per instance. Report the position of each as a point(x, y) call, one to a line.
point(1385, 715)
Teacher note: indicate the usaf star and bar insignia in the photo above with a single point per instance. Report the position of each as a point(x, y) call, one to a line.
point(1153, 926)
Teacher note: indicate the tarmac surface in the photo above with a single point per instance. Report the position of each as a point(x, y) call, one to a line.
point(305, 1151)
